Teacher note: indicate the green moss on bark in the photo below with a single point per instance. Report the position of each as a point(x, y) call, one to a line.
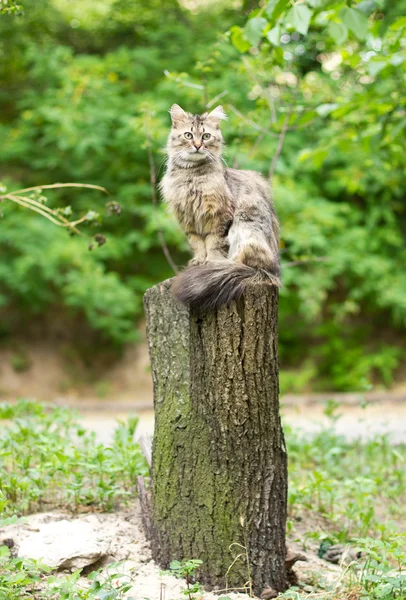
point(219, 458)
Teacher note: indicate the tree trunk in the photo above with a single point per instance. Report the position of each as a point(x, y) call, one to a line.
point(219, 475)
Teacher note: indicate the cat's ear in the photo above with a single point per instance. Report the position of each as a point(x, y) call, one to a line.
point(178, 115)
point(217, 115)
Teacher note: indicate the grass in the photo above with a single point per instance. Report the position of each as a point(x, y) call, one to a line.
point(349, 492)
point(340, 491)
point(47, 459)
point(346, 488)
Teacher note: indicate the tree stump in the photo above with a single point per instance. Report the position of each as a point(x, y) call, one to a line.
point(219, 475)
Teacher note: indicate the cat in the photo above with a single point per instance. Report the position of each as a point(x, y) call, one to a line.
point(227, 214)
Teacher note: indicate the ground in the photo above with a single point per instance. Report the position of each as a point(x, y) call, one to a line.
point(120, 538)
point(76, 491)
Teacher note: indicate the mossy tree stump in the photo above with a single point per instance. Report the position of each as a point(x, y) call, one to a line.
point(219, 476)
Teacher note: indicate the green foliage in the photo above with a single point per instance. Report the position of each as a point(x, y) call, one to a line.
point(89, 94)
point(378, 574)
point(47, 456)
point(339, 491)
point(338, 185)
point(104, 585)
point(19, 577)
point(24, 577)
point(352, 484)
point(10, 7)
point(187, 569)
point(383, 575)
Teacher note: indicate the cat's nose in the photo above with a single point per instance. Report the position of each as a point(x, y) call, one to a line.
point(197, 146)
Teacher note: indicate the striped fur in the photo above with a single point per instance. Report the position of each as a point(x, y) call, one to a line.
point(227, 214)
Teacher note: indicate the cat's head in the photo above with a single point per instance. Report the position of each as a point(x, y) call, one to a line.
point(195, 139)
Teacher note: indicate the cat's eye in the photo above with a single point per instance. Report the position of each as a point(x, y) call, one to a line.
point(188, 135)
point(206, 136)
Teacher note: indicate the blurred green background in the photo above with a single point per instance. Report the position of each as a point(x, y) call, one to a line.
point(84, 92)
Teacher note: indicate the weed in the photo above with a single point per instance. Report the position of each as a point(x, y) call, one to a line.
point(383, 576)
point(187, 569)
point(48, 458)
point(19, 577)
point(357, 487)
point(340, 491)
point(23, 578)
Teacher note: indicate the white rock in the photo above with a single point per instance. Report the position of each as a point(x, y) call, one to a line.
point(65, 544)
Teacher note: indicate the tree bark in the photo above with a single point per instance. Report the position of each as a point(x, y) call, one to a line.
point(219, 476)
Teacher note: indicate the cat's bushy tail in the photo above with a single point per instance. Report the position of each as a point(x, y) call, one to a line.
point(210, 285)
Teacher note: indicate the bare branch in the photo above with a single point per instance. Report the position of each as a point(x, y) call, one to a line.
point(224, 93)
point(271, 103)
point(34, 208)
point(294, 263)
point(42, 208)
point(152, 175)
point(196, 86)
point(253, 125)
point(279, 148)
point(63, 185)
point(55, 216)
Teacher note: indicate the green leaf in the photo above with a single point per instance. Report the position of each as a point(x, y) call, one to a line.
point(398, 24)
point(238, 39)
point(4, 551)
point(299, 17)
point(275, 8)
point(375, 66)
point(325, 109)
point(367, 6)
point(91, 215)
point(254, 28)
point(339, 32)
point(278, 54)
point(274, 36)
point(356, 22)
point(305, 118)
point(397, 59)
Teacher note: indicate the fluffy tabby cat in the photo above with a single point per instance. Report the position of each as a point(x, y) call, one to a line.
point(226, 214)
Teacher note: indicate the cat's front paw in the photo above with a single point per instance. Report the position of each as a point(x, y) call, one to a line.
point(194, 262)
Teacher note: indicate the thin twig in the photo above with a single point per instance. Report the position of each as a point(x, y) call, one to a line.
point(224, 93)
point(35, 209)
point(44, 211)
point(294, 263)
point(62, 185)
point(271, 103)
point(196, 86)
point(280, 144)
point(52, 215)
point(152, 175)
point(254, 125)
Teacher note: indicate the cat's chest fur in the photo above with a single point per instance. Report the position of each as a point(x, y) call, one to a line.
point(201, 202)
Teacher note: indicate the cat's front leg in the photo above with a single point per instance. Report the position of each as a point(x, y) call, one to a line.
point(216, 246)
point(199, 248)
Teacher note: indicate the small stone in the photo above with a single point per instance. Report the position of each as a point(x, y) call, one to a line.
point(269, 593)
point(144, 558)
point(292, 557)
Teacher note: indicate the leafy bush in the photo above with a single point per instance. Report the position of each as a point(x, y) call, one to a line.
point(86, 94)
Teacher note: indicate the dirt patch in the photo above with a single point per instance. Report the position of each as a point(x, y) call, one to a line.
point(50, 371)
point(120, 537)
